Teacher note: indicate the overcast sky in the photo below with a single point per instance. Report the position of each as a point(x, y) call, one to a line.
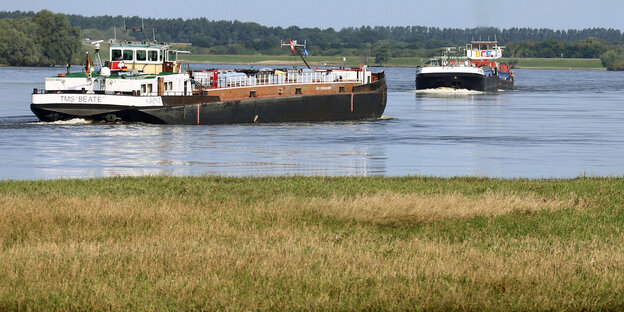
point(555, 14)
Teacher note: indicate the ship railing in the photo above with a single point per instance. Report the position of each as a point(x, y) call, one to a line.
point(259, 80)
point(104, 92)
point(166, 93)
point(233, 80)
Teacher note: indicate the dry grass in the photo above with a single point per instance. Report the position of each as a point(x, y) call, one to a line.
point(385, 250)
point(410, 209)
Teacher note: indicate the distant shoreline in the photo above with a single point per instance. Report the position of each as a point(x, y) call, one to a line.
point(561, 68)
point(409, 62)
point(315, 64)
point(333, 61)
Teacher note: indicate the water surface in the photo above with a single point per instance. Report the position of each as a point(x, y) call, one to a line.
point(557, 123)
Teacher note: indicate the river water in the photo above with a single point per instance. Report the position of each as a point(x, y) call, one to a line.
point(556, 124)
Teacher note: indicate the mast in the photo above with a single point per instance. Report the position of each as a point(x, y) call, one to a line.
point(294, 47)
point(142, 29)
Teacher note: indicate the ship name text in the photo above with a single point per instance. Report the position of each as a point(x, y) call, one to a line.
point(81, 99)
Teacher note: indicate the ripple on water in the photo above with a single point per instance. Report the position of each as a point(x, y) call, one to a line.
point(555, 124)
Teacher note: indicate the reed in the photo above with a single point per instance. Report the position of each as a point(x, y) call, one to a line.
point(313, 243)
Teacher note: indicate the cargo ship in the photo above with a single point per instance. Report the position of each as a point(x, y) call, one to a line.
point(477, 70)
point(145, 82)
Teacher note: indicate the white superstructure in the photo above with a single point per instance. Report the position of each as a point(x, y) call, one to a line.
point(148, 85)
point(484, 50)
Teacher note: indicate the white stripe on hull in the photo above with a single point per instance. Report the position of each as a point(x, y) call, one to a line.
point(97, 99)
point(450, 70)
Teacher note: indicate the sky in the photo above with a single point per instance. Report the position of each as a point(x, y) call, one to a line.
point(554, 14)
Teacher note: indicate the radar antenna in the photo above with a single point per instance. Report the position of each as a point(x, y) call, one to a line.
point(96, 45)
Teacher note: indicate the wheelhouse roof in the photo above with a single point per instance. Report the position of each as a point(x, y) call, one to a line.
point(139, 45)
point(484, 42)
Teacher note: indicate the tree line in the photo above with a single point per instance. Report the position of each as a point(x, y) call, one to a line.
point(209, 32)
point(587, 48)
point(235, 37)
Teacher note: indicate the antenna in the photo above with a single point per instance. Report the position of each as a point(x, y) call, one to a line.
point(142, 29)
point(154, 35)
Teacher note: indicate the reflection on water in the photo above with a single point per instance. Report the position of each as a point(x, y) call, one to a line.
point(556, 124)
point(138, 149)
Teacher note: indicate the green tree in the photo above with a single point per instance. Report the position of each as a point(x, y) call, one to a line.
point(382, 53)
point(613, 59)
point(59, 40)
point(18, 42)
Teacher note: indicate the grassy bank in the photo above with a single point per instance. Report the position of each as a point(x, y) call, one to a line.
point(541, 63)
point(168, 243)
point(558, 63)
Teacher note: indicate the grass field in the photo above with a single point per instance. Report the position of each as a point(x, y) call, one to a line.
point(558, 63)
point(312, 243)
point(554, 63)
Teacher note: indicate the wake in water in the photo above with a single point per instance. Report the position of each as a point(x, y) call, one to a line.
point(448, 91)
point(74, 121)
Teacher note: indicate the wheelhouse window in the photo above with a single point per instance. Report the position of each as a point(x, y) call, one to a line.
point(172, 56)
point(128, 55)
point(141, 55)
point(116, 55)
point(152, 56)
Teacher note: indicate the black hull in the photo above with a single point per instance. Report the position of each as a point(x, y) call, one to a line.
point(466, 81)
point(367, 102)
point(505, 84)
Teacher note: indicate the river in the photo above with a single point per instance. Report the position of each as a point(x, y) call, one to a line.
point(556, 124)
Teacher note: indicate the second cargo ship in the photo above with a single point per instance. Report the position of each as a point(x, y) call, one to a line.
point(477, 70)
